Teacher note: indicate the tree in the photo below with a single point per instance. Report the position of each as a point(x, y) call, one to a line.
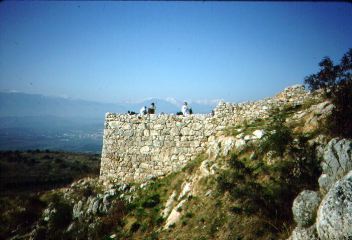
point(336, 81)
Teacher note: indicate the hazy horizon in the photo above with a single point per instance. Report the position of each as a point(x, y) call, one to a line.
point(130, 51)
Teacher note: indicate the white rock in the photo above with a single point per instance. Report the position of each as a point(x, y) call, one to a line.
point(174, 215)
point(169, 204)
point(204, 168)
point(247, 137)
point(239, 143)
point(258, 134)
point(187, 187)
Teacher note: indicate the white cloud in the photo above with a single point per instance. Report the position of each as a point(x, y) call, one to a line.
point(173, 101)
point(210, 102)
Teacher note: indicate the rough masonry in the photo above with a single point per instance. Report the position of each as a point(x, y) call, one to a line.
point(136, 148)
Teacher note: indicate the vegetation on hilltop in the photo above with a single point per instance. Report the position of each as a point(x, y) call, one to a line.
point(336, 82)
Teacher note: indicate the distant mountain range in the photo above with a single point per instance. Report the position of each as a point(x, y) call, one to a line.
point(30, 121)
point(17, 104)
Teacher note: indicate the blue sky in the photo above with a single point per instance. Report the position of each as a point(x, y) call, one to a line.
point(118, 51)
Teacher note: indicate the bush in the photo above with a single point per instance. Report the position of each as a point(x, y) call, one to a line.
point(135, 226)
point(151, 201)
point(63, 215)
point(113, 219)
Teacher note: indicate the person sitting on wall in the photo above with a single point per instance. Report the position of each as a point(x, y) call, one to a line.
point(143, 111)
point(152, 109)
point(185, 109)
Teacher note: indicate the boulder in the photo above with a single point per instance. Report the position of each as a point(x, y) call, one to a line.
point(334, 220)
point(305, 208)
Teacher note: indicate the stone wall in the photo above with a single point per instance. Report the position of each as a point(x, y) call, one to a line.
point(136, 148)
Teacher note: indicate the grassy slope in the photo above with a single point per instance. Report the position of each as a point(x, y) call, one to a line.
point(252, 199)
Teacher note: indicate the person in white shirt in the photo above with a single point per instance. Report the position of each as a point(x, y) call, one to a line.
point(185, 109)
point(143, 111)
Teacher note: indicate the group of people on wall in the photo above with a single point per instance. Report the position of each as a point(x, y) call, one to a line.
point(185, 109)
point(151, 110)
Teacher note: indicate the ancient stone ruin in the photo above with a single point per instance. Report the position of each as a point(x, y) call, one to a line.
point(136, 148)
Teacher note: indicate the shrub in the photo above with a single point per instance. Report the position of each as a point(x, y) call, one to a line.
point(135, 226)
point(63, 214)
point(151, 201)
point(113, 219)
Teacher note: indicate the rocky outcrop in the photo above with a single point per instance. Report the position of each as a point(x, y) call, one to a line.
point(337, 162)
point(77, 209)
point(334, 215)
point(334, 219)
point(312, 118)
